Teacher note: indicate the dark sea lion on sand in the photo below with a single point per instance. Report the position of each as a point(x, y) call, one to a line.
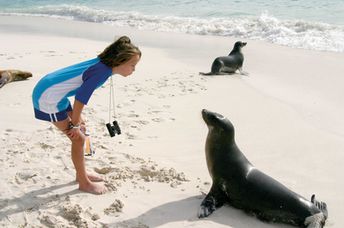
point(229, 64)
point(237, 182)
point(7, 76)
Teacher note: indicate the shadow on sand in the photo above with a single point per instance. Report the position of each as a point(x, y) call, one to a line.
point(185, 210)
point(34, 200)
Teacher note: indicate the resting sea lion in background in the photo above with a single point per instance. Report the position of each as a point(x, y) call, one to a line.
point(229, 64)
point(7, 76)
point(237, 182)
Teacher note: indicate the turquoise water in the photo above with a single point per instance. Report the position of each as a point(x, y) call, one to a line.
point(309, 24)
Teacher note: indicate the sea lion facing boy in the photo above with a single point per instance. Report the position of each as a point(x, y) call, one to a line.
point(237, 182)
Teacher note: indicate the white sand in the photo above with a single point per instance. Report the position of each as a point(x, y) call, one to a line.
point(288, 116)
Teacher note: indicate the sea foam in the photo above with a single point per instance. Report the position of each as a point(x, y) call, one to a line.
point(293, 33)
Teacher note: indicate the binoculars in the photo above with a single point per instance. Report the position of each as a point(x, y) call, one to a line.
point(113, 129)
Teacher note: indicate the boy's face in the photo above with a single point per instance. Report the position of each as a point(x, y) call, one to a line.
point(127, 68)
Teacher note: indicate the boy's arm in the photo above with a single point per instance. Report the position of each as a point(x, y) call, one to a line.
point(76, 115)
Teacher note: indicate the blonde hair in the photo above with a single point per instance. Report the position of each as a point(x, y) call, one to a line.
point(119, 52)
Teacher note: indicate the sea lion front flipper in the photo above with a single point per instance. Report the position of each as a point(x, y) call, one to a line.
point(215, 199)
point(243, 72)
point(209, 73)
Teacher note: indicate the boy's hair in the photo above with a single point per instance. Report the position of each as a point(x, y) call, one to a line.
point(119, 52)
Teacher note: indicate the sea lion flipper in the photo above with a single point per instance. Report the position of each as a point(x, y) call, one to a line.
point(214, 200)
point(244, 72)
point(202, 73)
point(322, 206)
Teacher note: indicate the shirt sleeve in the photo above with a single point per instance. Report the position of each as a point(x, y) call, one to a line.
point(93, 77)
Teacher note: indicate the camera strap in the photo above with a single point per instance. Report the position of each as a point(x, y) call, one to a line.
point(112, 100)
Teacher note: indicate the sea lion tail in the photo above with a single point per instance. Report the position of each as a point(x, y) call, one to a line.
point(209, 73)
point(18, 75)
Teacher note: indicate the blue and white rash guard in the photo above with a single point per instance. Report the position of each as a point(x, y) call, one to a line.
point(50, 95)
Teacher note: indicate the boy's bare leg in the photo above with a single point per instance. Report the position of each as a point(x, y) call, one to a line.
point(85, 184)
point(92, 177)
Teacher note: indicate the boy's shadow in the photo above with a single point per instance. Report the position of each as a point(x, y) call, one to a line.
point(186, 210)
point(34, 200)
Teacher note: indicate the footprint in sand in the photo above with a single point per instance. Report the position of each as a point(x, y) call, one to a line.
point(133, 115)
point(51, 221)
point(158, 119)
point(130, 136)
point(78, 216)
point(142, 122)
point(46, 146)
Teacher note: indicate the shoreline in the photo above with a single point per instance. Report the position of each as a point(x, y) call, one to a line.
point(287, 117)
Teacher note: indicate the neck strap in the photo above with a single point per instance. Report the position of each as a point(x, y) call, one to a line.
point(112, 100)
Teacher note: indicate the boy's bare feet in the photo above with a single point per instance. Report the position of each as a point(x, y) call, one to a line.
point(93, 178)
point(94, 188)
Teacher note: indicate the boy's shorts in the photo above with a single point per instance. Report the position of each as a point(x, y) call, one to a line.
point(53, 117)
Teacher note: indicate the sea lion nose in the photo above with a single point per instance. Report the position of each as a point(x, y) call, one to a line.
point(204, 111)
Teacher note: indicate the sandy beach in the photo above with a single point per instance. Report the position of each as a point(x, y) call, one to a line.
point(287, 112)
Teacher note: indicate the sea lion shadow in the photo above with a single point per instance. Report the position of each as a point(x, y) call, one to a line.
point(186, 210)
point(235, 74)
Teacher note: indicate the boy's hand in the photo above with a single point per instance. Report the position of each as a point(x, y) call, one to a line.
point(74, 133)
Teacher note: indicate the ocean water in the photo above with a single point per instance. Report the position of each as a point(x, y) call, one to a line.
point(308, 24)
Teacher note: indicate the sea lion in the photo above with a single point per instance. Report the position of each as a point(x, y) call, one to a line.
point(237, 182)
point(7, 76)
point(229, 64)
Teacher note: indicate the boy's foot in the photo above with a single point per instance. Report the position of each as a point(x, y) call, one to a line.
point(94, 188)
point(93, 178)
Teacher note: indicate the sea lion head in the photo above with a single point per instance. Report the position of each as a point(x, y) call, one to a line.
point(219, 143)
point(239, 44)
point(218, 124)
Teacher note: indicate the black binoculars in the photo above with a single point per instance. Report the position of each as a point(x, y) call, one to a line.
point(114, 129)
